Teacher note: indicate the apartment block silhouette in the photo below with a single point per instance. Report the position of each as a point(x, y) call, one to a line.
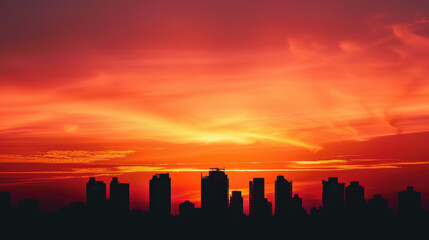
point(332, 197)
point(119, 195)
point(259, 206)
point(160, 195)
point(409, 202)
point(236, 204)
point(214, 192)
point(95, 193)
point(283, 196)
point(354, 198)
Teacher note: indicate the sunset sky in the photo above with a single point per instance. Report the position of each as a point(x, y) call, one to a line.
point(305, 89)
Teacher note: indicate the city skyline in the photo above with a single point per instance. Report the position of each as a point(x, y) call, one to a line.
point(344, 212)
point(305, 89)
point(338, 199)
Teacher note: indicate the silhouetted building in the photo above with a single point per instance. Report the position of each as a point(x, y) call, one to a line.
point(332, 197)
point(29, 207)
point(258, 204)
point(268, 208)
point(296, 206)
point(119, 195)
point(409, 202)
point(355, 198)
point(95, 193)
point(187, 209)
point(378, 206)
point(214, 192)
point(283, 195)
point(160, 195)
point(5, 203)
point(236, 204)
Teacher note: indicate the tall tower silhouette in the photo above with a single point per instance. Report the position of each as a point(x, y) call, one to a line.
point(283, 195)
point(409, 202)
point(258, 204)
point(95, 193)
point(332, 197)
point(160, 195)
point(214, 192)
point(236, 204)
point(354, 198)
point(119, 195)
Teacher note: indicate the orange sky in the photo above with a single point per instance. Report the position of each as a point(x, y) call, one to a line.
point(306, 89)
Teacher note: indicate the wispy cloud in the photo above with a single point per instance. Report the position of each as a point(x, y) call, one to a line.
point(61, 156)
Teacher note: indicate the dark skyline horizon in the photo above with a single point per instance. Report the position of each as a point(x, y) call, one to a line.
point(175, 204)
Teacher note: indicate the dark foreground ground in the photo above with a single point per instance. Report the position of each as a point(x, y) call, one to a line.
point(137, 225)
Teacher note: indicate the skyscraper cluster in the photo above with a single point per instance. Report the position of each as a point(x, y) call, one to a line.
point(338, 200)
point(119, 195)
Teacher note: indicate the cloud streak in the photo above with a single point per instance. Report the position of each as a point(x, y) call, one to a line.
point(62, 156)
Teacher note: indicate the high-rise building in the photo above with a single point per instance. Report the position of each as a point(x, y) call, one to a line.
point(283, 195)
point(160, 195)
point(95, 193)
point(332, 197)
point(354, 198)
point(187, 209)
point(296, 206)
point(259, 206)
point(409, 202)
point(214, 192)
point(236, 204)
point(119, 195)
point(5, 203)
